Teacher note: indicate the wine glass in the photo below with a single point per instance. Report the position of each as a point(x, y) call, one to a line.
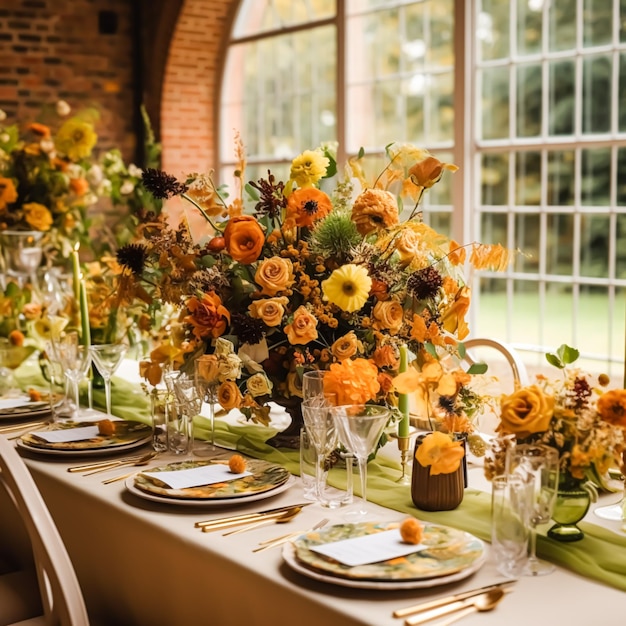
point(75, 360)
point(107, 357)
point(538, 465)
point(206, 383)
point(11, 357)
point(322, 430)
point(360, 427)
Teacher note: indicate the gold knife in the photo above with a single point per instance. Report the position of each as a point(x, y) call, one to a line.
point(244, 518)
point(434, 604)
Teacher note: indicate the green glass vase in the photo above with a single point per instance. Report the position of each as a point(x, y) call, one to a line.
point(572, 503)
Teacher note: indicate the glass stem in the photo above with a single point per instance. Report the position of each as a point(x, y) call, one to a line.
point(363, 474)
point(107, 394)
point(532, 556)
point(212, 421)
point(349, 477)
point(319, 477)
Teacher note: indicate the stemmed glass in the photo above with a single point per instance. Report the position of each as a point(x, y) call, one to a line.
point(360, 427)
point(107, 358)
point(538, 465)
point(615, 512)
point(75, 360)
point(11, 357)
point(206, 383)
point(322, 429)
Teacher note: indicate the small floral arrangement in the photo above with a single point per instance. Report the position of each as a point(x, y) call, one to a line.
point(327, 272)
point(50, 177)
point(586, 424)
point(440, 452)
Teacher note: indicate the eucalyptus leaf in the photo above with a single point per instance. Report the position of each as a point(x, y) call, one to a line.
point(478, 368)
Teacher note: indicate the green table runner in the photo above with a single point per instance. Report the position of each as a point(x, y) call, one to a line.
point(601, 555)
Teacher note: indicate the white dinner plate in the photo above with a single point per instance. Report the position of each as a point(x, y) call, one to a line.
point(28, 410)
point(289, 556)
point(130, 486)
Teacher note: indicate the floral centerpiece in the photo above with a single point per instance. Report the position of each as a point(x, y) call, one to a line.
point(340, 281)
point(573, 414)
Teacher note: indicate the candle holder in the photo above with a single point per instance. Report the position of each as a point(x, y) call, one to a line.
point(405, 447)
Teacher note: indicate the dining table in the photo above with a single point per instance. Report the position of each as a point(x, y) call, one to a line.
point(143, 562)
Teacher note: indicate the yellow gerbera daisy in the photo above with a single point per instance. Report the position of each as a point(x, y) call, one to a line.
point(308, 167)
point(76, 139)
point(348, 287)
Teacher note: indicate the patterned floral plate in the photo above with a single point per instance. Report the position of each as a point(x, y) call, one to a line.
point(127, 434)
point(30, 410)
point(265, 477)
point(451, 554)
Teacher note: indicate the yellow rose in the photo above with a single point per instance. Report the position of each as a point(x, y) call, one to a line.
point(270, 310)
point(208, 367)
point(388, 315)
point(440, 452)
point(408, 246)
point(526, 411)
point(274, 274)
point(303, 329)
point(228, 395)
point(345, 347)
point(259, 385)
point(37, 216)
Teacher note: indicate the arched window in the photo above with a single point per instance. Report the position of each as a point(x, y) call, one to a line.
point(528, 97)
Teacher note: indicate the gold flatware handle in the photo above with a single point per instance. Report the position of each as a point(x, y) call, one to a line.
point(86, 467)
point(433, 604)
point(279, 541)
point(248, 517)
point(116, 478)
point(13, 427)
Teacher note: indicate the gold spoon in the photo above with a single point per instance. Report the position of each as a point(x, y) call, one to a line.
point(281, 518)
point(141, 461)
point(483, 602)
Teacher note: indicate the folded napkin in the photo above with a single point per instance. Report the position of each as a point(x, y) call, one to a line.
point(196, 476)
point(374, 548)
point(67, 434)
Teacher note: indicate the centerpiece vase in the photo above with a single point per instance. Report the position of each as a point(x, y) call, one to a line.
point(290, 437)
point(572, 503)
point(22, 253)
point(441, 492)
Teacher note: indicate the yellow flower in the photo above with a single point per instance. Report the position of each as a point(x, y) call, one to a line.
point(308, 167)
point(38, 216)
point(270, 310)
point(346, 347)
point(76, 139)
point(348, 287)
point(526, 411)
point(440, 452)
point(388, 315)
point(8, 193)
point(259, 385)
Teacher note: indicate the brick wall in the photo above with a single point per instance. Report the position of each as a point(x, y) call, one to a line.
point(52, 49)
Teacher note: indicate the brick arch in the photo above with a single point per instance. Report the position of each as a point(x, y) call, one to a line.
point(190, 91)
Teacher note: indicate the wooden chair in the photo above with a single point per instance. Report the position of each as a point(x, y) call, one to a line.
point(59, 601)
point(518, 369)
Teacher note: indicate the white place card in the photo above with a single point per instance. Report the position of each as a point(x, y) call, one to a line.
point(67, 434)
point(11, 403)
point(381, 546)
point(196, 476)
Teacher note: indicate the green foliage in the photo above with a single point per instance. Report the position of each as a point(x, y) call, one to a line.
point(564, 356)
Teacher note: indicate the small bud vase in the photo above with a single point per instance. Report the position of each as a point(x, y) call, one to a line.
point(441, 492)
point(572, 503)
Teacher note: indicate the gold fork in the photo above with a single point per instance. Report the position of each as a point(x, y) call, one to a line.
point(277, 541)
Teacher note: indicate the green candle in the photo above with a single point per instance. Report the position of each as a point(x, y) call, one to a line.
point(84, 316)
point(76, 272)
point(403, 398)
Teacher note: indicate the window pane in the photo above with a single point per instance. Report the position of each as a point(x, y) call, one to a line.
point(559, 252)
point(595, 177)
point(439, 49)
point(441, 193)
point(440, 221)
point(561, 178)
point(597, 88)
point(594, 245)
point(622, 20)
point(492, 318)
point(494, 177)
point(527, 240)
point(529, 100)
point(495, 103)
point(621, 177)
point(562, 111)
point(528, 179)
point(525, 323)
point(258, 16)
point(493, 30)
point(494, 228)
point(597, 22)
point(558, 322)
point(620, 247)
point(441, 119)
point(562, 25)
point(529, 27)
point(621, 112)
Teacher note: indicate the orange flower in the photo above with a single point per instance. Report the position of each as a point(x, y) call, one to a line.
point(345, 347)
point(307, 205)
point(374, 209)
point(352, 381)
point(428, 171)
point(379, 290)
point(228, 395)
point(422, 333)
point(440, 452)
point(303, 328)
point(453, 318)
point(385, 357)
point(273, 275)
point(270, 310)
point(79, 186)
point(8, 193)
point(612, 407)
point(457, 253)
point(40, 129)
point(526, 411)
point(388, 315)
point(209, 317)
point(208, 367)
point(151, 371)
point(244, 239)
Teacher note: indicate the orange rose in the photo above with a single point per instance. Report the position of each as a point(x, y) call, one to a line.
point(612, 407)
point(79, 186)
point(209, 317)
point(408, 246)
point(8, 193)
point(244, 239)
point(388, 315)
point(303, 329)
point(228, 395)
point(208, 367)
point(270, 310)
point(385, 357)
point(345, 347)
point(353, 381)
point(428, 171)
point(440, 452)
point(307, 205)
point(274, 275)
point(526, 411)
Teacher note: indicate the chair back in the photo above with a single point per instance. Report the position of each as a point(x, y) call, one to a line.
point(518, 369)
point(60, 592)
